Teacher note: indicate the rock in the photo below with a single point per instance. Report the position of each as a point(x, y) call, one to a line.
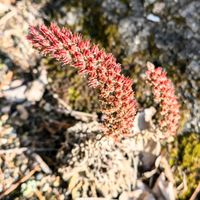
point(37, 87)
point(23, 112)
point(23, 168)
point(113, 9)
point(47, 107)
point(132, 37)
point(148, 160)
point(56, 183)
point(6, 109)
point(148, 2)
point(153, 18)
point(191, 13)
point(46, 187)
point(15, 94)
point(39, 176)
point(36, 91)
point(16, 83)
point(73, 16)
point(194, 69)
point(43, 76)
point(159, 7)
point(143, 120)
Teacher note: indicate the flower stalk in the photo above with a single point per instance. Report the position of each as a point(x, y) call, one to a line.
point(164, 94)
point(116, 96)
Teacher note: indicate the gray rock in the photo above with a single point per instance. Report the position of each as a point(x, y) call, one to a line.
point(73, 16)
point(191, 13)
point(132, 38)
point(113, 10)
point(194, 69)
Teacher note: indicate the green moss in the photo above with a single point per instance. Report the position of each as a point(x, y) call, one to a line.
point(73, 94)
point(185, 156)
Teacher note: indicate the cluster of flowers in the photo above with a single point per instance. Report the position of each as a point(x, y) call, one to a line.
point(116, 96)
point(164, 94)
point(115, 90)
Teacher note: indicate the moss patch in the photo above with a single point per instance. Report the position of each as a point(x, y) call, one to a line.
point(185, 156)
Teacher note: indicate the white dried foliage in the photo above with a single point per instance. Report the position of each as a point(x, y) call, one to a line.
point(97, 165)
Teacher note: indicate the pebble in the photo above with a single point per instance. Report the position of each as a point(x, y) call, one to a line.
point(23, 168)
point(73, 16)
point(39, 176)
point(15, 94)
point(158, 7)
point(36, 91)
point(194, 69)
point(153, 18)
point(46, 187)
point(3, 141)
point(6, 109)
point(47, 107)
point(56, 183)
point(23, 112)
point(4, 118)
point(16, 83)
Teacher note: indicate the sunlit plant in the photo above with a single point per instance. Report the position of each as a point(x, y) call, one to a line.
point(116, 96)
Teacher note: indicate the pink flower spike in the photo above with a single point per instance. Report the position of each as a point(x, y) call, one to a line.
point(164, 94)
point(101, 70)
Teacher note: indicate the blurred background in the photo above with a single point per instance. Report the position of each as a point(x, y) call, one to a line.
point(40, 99)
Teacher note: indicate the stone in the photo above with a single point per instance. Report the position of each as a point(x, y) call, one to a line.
point(153, 18)
point(15, 94)
point(36, 91)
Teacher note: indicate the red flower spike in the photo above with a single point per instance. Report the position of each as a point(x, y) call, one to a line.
point(164, 94)
point(101, 69)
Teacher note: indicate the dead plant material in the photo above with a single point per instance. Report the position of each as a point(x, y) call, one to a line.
point(15, 185)
point(6, 79)
point(196, 192)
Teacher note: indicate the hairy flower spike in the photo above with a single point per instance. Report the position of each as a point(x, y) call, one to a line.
point(164, 94)
point(115, 92)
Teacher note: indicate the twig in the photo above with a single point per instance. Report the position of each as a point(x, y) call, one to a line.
point(196, 192)
point(7, 16)
point(77, 114)
point(2, 184)
point(135, 164)
point(43, 165)
point(23, 149)
point(168, 171)
point(66, 106)
point(15, 185)
point(83, 116)
point(39, 195)
point(14, 150)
